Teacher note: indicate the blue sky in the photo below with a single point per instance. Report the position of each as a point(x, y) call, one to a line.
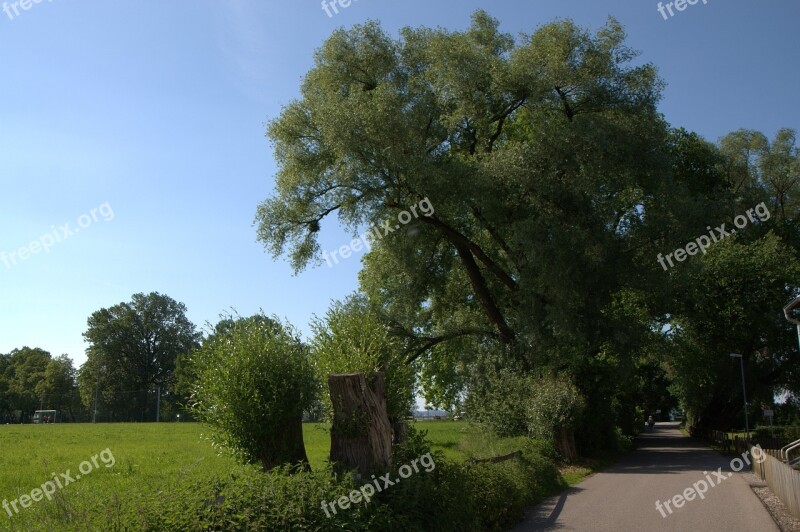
point(156, 112)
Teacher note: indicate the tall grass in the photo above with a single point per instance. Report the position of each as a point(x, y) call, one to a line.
point(152, 460)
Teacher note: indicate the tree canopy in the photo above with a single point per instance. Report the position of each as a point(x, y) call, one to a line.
point(132, 351)
point(556, 183)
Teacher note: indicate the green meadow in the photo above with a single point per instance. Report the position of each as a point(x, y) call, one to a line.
point(148, 460)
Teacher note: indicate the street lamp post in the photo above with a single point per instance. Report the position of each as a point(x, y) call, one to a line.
point(787, 312)
point(96, 389)
point(744, 394)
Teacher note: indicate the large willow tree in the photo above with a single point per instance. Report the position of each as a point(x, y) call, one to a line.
point(540, 156)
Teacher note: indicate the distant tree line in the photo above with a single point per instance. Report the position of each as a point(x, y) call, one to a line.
point(31, 379)
point(129, 374)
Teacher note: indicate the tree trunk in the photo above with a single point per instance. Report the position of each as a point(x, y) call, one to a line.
point(400, 429)
point(361, 434)
point(285, 447)
point(565, 443)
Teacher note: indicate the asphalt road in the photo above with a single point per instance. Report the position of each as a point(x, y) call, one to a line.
point(665, 464)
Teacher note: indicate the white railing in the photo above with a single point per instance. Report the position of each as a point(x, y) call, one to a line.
point(789, 448)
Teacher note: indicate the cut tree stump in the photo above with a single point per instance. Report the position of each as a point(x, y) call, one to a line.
point(361, 434)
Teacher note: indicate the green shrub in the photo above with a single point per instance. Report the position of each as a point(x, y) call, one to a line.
point(555, 407)
point(448, 497)
point(251, 500)
point(498, 398)
point(790, 433)
point(427, 500)
point(500, 493)
point(624, 442)
point(513, 403)
point(254, 380)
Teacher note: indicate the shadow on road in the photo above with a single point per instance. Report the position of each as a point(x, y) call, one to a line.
point(665, 452)
point(545, 520)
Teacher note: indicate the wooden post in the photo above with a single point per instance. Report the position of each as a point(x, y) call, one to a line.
point(361, 434)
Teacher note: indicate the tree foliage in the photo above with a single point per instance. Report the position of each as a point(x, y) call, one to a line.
point(59, 387)
point(735, 300)
point(31, 379)
point(383, 124)
point(549, 142)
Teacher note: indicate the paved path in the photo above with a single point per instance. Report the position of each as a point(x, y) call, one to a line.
point(623, 497)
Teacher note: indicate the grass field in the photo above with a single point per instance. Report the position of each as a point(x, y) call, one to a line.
point(147, 460)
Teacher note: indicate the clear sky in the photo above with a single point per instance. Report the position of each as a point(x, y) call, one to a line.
point(153, 114)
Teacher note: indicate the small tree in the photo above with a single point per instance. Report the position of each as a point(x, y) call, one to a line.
point(370, 388)
point(514, 403)
point(352, 339)
point(254, 380)
point(553, 412)
point(497, 398)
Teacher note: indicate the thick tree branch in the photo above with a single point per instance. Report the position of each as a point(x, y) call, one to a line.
point(456, 237)
point(567, 109)
point(493, 232)
point(500, 119)
point(433, 341)
point(479, 287)
point(493, 267)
